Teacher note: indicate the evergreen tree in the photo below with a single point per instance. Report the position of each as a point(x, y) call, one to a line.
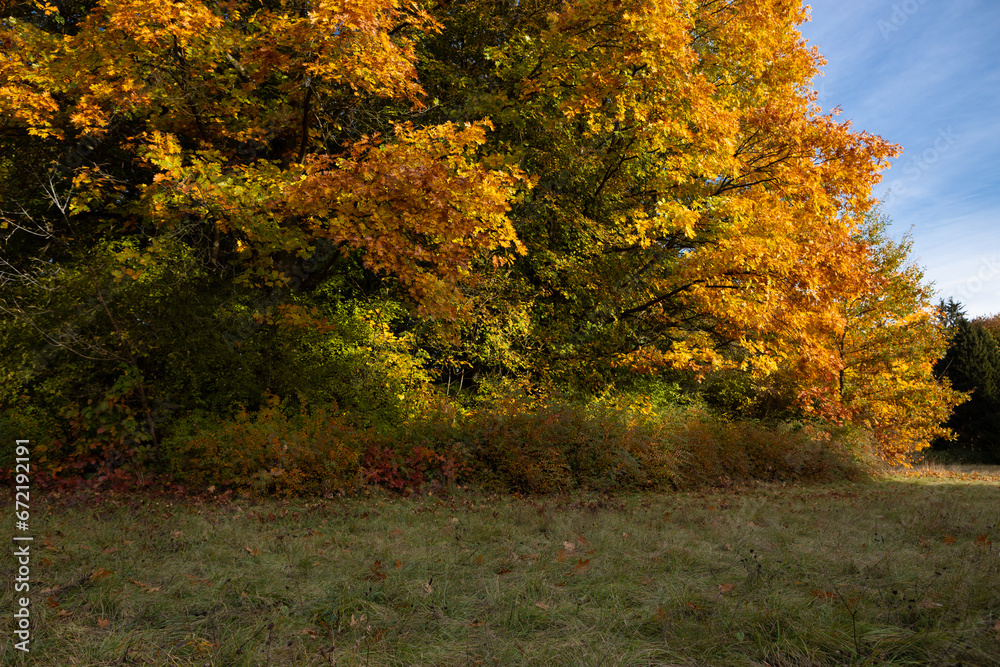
point(950, 312)
point(972, 363)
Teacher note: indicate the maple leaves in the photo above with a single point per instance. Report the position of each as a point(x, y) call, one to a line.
point(689, 197)
point(320, 95)
point(426, 207)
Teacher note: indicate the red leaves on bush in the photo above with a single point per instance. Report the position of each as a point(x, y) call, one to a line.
point(421, 467)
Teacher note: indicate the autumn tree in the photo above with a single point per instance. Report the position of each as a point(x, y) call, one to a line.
point(690, 197)
point(888, 348)
point(190, 173)
point(566, 188)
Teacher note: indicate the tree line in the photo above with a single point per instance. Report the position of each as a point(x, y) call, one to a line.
point(379, 206)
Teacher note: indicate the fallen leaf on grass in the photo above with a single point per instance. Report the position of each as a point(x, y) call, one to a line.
point(983, 541)
point(824, 595)
point(581, 566)
point(51, 602)
point(503, 570)
point(569, 547)
point(725, 588)
point(948, 539)
point(64, 613)
point(100, 573)
point(928, 604)
point(145, 587)
point(252, 552)
point(103, 622)
point(203, 582)
point(377, 572)
point(541, 605)
point(561, 556)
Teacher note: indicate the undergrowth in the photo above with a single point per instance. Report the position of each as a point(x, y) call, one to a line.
point(512, 444)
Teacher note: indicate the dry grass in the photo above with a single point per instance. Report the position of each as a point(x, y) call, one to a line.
point(957, 471)
point(904, 571)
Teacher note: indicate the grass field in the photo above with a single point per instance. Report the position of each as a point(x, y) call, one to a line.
point(904, 571)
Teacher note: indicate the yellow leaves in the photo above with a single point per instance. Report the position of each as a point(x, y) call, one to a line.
point(32, 108)
point(164, 151)
point(419, 205)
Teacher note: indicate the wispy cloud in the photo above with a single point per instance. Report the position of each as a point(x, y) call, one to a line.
point(926, 74)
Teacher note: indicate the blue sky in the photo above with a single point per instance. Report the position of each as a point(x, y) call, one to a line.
point(925, 74)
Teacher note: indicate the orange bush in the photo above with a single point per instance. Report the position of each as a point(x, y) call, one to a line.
point(267, 453)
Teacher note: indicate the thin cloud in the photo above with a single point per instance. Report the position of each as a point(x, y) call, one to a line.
point(926, 75)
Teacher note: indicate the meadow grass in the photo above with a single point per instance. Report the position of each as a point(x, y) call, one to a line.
point(899, 571)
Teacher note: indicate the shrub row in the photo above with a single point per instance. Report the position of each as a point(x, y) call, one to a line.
point(512, 445)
